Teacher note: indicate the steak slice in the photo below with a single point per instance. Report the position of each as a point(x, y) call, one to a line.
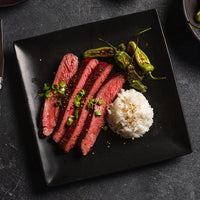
point(50, 112)
point(77, 84)
point(94, 124)
point(92, 86)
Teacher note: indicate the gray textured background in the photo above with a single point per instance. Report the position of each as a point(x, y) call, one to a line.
point(20, 174)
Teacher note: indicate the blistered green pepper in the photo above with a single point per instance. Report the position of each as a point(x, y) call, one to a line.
point(121, 58)
point(135, 79)
point(142, 60)
point(197, 17)
point(102, 52)
point(124, 61)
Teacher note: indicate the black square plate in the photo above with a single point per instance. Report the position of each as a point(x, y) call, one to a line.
point(39, 57)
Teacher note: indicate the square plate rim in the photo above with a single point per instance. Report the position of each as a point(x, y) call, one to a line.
point(89, 23)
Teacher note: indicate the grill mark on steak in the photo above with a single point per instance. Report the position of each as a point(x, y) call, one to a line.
point(76, 85)
point(94, 124)
point(92, 86)
point(50, 112)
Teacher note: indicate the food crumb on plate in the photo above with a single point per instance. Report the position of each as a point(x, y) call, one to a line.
point(108, 142)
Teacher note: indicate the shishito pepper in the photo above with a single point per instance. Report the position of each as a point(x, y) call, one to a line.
point(102, 52)
point(121, 58)
point(197, 17)
point(142, 60)
point(135, 79)
point(124, 61)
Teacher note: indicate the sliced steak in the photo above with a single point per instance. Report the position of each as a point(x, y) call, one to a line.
point(50, 112)
point(77, 84)
point(94, 124)
point(92, 86)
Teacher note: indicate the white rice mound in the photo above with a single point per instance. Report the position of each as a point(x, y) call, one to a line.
point(130, 115)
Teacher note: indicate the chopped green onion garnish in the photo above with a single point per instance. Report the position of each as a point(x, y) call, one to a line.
point(77, 103)
point(62, 89)
point(55, 86)
point(41, 94)
point(46, 86)
point(70, 120)
point(76, 114)
point(62, 84)
point(48, 94)
point(90, 105)
point(54, 92)
point(105, 128)
point(78, 98)
point(100, 101)
point(61, 92)
point(81, 92)
point(58, 103)
point(98, 113)
point(92, 100)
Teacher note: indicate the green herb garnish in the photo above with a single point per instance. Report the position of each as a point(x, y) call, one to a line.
point(58, 103)
point(81, 92)
point(98, 113)
point(62, 84)
point(92, 100)
point(100, 102)
point(61, 92)
point(91, 103)
point(77, 103)
point(54, 92)
point(55, 86)
point(105, 128)
point(41, 95)
point(78, 98)
point(76, 114)
point(48, 94)
point(46, 86)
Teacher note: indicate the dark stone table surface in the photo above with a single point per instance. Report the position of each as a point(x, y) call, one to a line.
point(20, 174)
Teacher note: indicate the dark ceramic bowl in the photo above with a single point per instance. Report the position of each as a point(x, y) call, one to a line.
point(5, 3)
point(190, 8)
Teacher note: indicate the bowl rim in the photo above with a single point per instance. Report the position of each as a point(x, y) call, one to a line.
point(186, 18)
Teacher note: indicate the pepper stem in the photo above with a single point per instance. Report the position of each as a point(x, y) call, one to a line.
point(194, 25)
point(135, 48)
point(155, 78)
point(108, 44)
point(145, 30)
